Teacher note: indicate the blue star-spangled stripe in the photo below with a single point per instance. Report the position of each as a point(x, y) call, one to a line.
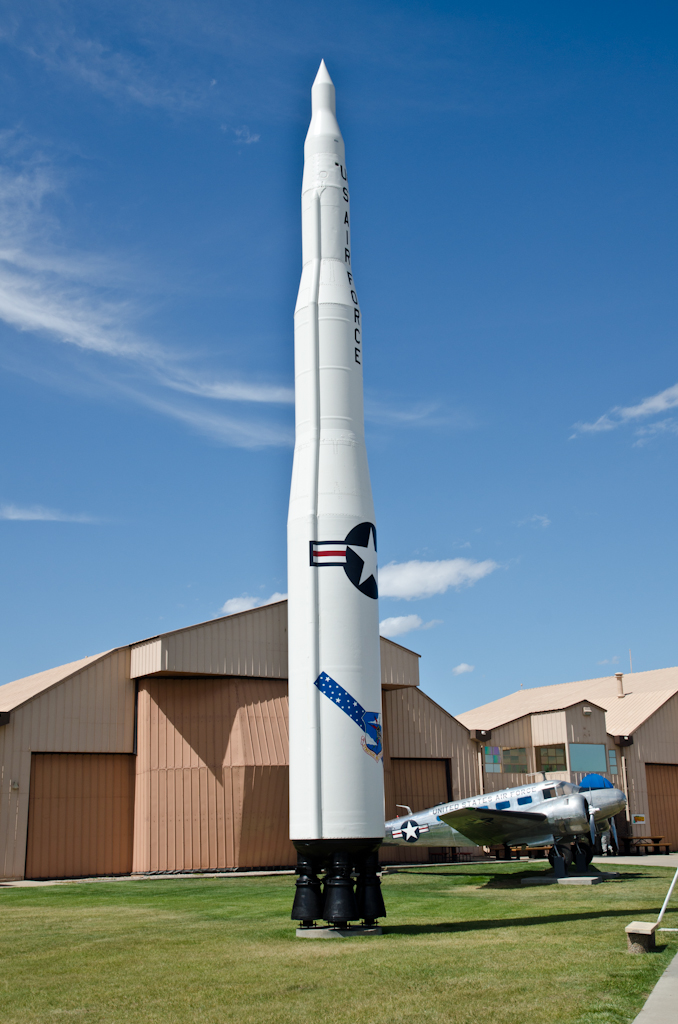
point(342, 698)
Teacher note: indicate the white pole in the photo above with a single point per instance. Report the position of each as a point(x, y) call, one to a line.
point(668, 897)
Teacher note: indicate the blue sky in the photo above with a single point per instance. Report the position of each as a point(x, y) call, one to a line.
point(513, 180)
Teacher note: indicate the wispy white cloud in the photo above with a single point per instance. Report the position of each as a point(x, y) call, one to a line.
point(540, 522)
point(397, 625)
point(243, 135)
point(646, 433)
point(462, 669)
point(74, 301)
point(421, 414)
point(38, 513)
point(622, 415)
point(609, 661)
point(112, 73)
point(230, 391)
point(245, 603)
point(238, 433)
point(415, 579)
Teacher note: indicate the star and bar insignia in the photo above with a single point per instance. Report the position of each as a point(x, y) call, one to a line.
point(409, 831)
point(356, 553)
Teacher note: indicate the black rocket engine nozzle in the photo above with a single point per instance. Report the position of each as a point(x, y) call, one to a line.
point(308, 901)
point(340, 902)
point(368, 890)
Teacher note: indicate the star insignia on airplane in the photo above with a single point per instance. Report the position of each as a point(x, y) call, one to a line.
point(409, 831)
point(361, 559)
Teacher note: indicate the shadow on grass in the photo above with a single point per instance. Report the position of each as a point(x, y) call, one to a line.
point(510, 922)
point(507, 880)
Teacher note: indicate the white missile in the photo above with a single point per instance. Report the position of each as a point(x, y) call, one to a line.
point(336, 770)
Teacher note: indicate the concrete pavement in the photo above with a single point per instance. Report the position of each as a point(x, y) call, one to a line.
point(661, 1006)
point(652, 860)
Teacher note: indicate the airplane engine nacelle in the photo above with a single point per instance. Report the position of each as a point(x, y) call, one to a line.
point(569, 815)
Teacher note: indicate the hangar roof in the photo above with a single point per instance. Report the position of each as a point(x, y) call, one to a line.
point(250, 643)
point(645, 692)
point(21, 690)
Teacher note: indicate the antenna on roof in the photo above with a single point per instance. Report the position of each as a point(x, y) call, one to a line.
point(630, 660)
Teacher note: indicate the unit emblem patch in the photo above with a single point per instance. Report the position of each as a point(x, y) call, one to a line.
point(368, 721)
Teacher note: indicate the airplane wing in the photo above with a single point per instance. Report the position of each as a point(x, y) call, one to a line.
point(493, 828)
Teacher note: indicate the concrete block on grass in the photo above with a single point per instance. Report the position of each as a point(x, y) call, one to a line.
point(640, 936)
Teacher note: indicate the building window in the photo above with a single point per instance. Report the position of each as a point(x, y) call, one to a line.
point(612, 757)
point(588, 757)
point(551, 759)
point(515, 760)
point(493, 760)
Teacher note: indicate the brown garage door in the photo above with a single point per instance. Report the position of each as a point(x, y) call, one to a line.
point(419, 782)
point(80, 815)
point(662, 794)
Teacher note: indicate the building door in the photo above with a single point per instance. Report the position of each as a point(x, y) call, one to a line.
point(662, 796)
point(420, 782)
point(80, 815)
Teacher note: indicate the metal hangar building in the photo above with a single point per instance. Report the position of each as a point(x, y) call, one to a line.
point(172, 754)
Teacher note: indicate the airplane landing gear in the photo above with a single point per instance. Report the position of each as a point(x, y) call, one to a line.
point(560, 852)
point(583, 855)
point(580, 852)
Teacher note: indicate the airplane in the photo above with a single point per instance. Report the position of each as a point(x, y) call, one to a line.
point(548, 813)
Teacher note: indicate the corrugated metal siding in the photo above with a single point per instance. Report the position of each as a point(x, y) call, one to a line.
point(655, 741)
point(91, 712)
point(81, 815)
point(583, 728)
point(550, 727)
point(662, 793)
point(399, 666)
point(264, 829)
point(252, 643)
point(415, 726)
point(146, 658)
point(419, 783)
point(195, 737)
point(20, 690)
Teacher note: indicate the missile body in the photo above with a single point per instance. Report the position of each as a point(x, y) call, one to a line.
point(336, 770)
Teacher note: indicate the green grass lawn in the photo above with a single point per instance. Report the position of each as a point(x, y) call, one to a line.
point(462, 943)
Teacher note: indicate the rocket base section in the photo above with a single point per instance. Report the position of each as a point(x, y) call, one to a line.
point(334, 898)
point(352, 932)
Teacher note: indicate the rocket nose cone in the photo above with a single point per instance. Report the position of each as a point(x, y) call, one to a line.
point(323, 76)
point(322, 93)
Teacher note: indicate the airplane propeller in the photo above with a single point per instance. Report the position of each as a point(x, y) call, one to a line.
point(592, 822)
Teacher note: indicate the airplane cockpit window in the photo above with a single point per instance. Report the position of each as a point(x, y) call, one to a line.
point(547, 794)
point(568, 788)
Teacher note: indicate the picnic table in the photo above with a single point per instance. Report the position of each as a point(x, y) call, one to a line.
point(645, 844)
